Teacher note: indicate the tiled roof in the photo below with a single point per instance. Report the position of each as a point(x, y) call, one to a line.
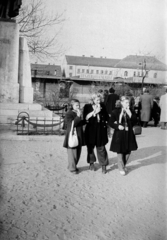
point(135, 62)
point(91, 61)
point(43, 69)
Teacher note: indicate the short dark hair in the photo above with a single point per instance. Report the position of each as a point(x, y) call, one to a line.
point(111, 90)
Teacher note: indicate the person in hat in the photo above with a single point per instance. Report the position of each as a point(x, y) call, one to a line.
point(155, 113)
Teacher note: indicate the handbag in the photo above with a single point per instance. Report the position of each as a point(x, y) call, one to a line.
point(73, 138)
point(137, 129)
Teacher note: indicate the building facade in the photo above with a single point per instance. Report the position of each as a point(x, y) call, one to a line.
point(131, 68)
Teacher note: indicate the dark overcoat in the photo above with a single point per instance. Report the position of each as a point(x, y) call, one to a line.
point(146, 106)
point(78, 123)
point(96, 131)
point(123, 141)
point(110, 103)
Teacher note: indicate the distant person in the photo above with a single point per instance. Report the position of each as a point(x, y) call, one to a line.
point(111, 100)
point(110, 106)
point(96, 118)
point(146, 101)
point(123, 141)
point(155, 113)
point(163, 106)
point(105, 95)
point(131, 98)
point(74, 114)
point(137, 108)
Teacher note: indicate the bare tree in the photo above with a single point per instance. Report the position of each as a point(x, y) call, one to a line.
point(41, 29)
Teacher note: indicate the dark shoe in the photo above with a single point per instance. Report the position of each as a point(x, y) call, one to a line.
point(74, 172)
point(92, 167)
point(104, 169)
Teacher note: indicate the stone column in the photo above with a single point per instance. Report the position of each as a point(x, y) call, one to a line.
point(25, 81)
point(9, 56)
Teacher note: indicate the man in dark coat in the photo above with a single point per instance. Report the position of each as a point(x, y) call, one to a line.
point(111, 100)
point(146, 101)
point(96, 132)
point(155, 113)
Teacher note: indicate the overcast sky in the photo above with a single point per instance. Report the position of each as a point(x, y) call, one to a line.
point(113, 28)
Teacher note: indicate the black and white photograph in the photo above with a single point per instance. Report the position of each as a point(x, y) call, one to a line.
point(83, 120)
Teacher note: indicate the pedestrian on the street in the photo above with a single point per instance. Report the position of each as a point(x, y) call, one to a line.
point(96, 118)
point(146, 101)
point(124, 141)
point(163, 106)
point(105, 94)
point(110, 106)
point(74, 114)
point(111, 100)
point(155, 113)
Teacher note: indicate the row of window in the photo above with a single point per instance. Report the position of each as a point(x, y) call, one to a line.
point(139, 74)
point(91, 71)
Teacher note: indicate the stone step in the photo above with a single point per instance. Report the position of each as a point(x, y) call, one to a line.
point(10, 111)
point(20, 106)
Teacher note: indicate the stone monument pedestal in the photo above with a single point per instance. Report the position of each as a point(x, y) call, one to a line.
point(24, 76)
point(9, 58)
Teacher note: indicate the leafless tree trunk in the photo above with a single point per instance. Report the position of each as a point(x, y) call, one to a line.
point(41, 29)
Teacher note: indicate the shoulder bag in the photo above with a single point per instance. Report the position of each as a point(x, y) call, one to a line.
point(137, 129)
point(73, 138)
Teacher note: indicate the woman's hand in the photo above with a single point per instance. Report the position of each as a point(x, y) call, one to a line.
point(78, 112)
point(127, 110)
point(97, 108)
point(120, 127)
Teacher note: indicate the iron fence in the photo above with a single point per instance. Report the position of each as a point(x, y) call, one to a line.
point(39, 125)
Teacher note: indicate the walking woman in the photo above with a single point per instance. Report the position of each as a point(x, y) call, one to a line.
point(74, 114)
point(123, 141)
point(96, 118)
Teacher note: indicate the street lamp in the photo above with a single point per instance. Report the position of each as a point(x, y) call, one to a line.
point(143, 73)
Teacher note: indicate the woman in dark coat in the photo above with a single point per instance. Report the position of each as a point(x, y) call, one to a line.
point(96, 118)
point(74, 153)
point(123, 141)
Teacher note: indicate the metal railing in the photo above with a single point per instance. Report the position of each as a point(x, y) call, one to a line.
point(38, 125)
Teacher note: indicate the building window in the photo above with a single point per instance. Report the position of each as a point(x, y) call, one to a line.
point(110, 73)
point(106, 72)
point(134, 74)
point(78, 70)
point(87, 71)
point(70, 74)
point(125, 73)
point(155, 75)
point(70, 67)
point(102, 71)
point(146, 73)
point(138, 74)
point(91, 71)
point(83, 70)
point(97, 71)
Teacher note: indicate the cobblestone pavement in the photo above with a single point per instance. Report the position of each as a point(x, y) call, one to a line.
point(41, 200)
